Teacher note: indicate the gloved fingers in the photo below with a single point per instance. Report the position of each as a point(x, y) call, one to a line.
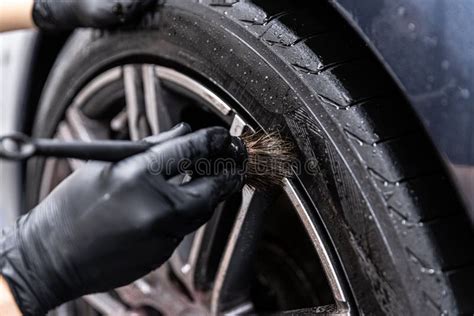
point(214, 188)
point(148, 255)
point(130, 168)
point(155, 251)
point(179, 155)
point(161, 162)
point(202, 196)
point(177, 131)
point(104, 13)
point(151, 252)
point(69, 14)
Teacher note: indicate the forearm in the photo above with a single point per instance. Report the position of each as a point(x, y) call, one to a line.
point(15, 14)
point(7, 302)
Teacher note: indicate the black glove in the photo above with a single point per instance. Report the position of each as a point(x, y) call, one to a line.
point(109, 224)
point(69, 14)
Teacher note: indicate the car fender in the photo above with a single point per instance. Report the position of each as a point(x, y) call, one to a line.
point(428, 48)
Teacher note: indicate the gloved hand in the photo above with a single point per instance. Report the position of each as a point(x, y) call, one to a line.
point(109, 224)
point(70, 14)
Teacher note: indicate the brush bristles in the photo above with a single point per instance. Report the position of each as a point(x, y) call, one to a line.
point(270, 159)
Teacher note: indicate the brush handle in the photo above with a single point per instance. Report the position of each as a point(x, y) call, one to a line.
point(101, 150)
point(20, 147)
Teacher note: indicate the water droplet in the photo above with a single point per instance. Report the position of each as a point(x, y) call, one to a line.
point(445, 64)
point(401, 11)
point(266, 77)
point(465, 93)
point(186, 268)
point(231, 50)
point(428, 270)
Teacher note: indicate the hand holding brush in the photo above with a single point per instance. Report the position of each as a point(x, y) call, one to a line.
point(80, 238)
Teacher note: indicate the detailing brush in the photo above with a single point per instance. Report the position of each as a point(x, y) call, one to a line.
point(268, 158)
point(264, 159)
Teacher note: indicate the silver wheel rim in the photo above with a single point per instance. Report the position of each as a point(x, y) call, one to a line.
point(156, 290)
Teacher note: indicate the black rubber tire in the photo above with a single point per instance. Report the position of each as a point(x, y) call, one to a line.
point(402, 237)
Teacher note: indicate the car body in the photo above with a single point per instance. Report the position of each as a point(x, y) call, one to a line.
point(428, 48)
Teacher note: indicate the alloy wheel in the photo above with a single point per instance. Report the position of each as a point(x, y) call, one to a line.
point(260, 251)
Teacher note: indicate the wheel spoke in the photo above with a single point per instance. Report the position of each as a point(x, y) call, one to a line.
point(76, 126)
point(157, 113)
point(105, 304)
point(146, 110)
point(65, 134)
point(157, 291)
point(84, 128)
point(119, 122)
point(137, 120)
point(185, 267)
point(242, 309)
point(231, 286)
point(48, 179)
